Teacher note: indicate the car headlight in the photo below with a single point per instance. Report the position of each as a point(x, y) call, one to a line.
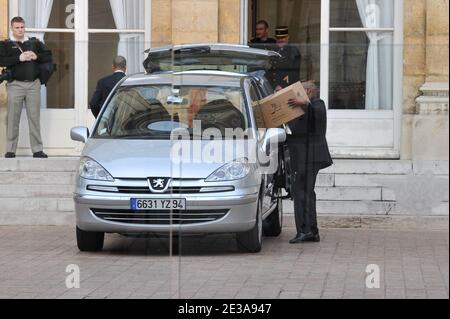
point(230, 172)
point(90, 169)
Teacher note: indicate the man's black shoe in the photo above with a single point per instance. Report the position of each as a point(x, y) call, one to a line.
point(303, 238)
point(10, 155)
point(40, 155)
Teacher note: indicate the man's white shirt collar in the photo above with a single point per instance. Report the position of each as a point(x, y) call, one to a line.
point(25, 38)
point(117, 71)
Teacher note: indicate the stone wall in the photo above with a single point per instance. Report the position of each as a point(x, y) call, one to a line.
point(426, 53)
point(229, 21)
point(426, 43)
point(414, 40)
point(161, 22)
point(437, 41)
point(207, 21)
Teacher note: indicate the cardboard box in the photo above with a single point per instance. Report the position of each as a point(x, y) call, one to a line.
point(274, 110)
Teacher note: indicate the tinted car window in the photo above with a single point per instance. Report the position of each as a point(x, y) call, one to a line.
point(153, 112)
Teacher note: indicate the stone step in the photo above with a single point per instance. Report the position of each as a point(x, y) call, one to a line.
point(349, 193)
point(37, 178)
point(20, 204)
point(39, 192)
point(371, 180)
point(36, 191)
point(388, 167)
point(367, 208)
point(325, 180)
point(28, 164)
point(389, 194)
point(436, 167)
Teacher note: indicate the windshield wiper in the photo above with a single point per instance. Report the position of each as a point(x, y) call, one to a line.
point(141, 137)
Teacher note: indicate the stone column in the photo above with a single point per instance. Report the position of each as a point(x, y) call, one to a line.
point(229, 21)
point(437, 41)
point(430, 138)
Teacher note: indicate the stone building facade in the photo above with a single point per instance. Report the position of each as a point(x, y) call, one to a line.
point(423, 132)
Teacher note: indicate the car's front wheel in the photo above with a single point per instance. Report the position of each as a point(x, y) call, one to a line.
point(90, 241)
point(251, 241)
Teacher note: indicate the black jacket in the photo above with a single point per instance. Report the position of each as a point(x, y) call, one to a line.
point(268, 44)
point(104, 88)
point(23, 71)
point(309, 136)
point(285, 71)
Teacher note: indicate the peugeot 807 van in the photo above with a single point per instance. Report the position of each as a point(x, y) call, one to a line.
point(160, 159)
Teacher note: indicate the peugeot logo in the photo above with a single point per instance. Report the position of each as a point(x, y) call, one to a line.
point(158, 184)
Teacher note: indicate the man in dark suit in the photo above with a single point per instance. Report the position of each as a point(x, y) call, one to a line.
point(107, 84)
point(309, 154)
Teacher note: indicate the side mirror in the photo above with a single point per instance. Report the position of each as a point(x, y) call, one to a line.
point(79, 134)
point(272, 138)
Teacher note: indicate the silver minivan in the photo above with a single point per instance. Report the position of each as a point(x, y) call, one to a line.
point(176, 150)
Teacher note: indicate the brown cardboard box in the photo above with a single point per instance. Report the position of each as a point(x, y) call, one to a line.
point(274, 110)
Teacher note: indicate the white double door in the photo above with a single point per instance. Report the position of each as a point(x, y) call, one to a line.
point(69, 20)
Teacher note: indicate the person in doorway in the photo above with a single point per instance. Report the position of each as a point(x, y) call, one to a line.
point(309, 154)
point(262, 39)
point(22, 56)
point(107, 84)
point(285, 70)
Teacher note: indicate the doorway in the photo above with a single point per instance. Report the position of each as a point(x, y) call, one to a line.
point(349, 48)
point(303, 19)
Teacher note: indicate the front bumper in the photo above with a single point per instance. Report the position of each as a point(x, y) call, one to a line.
point(240, 205)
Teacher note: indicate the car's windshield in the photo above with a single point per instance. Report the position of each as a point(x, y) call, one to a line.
point(155, 111)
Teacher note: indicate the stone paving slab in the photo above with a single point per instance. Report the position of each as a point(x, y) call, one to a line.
point(413, 264)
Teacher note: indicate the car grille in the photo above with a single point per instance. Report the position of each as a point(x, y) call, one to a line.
point(146, 190)
point(176, 217)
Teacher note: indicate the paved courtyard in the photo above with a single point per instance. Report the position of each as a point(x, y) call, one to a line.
point(412, 264)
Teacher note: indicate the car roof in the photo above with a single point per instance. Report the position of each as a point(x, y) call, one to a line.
point(189, 78)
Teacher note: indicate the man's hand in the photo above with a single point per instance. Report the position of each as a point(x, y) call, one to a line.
point(299, 102)
point(32, 55)
point(28, 56)
point(24, 57)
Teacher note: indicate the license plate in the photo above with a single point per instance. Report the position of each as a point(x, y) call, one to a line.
point(158, 204)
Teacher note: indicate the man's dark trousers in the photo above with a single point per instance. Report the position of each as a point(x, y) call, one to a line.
point(304, 196)
point(309, 154)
